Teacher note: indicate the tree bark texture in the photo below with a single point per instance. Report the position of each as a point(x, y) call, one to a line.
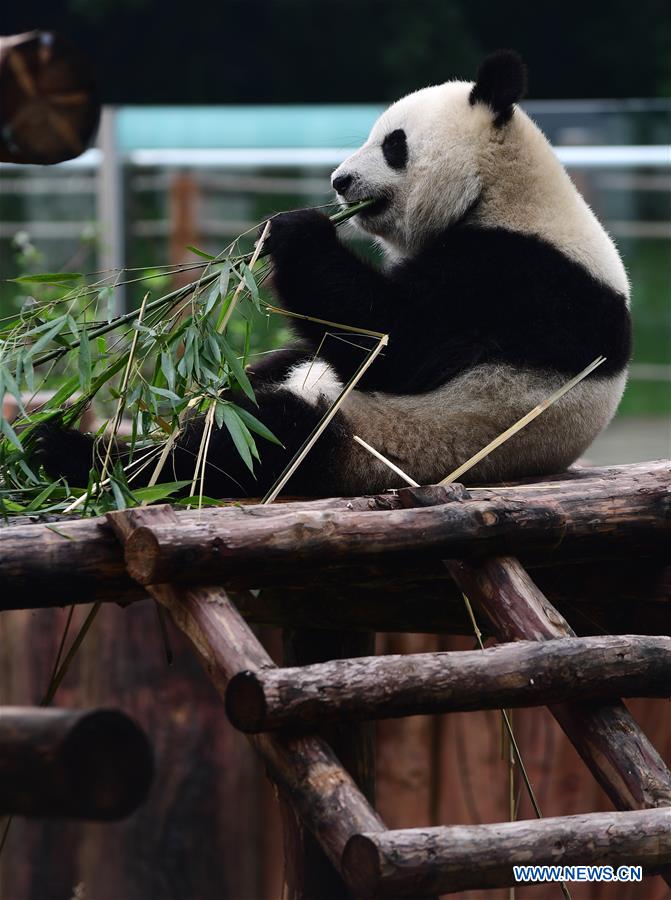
point(617, 752)
point(304, 767)
point(416, 862)
point(522, 674)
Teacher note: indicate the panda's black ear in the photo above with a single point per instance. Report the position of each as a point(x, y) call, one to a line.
point(501, 82)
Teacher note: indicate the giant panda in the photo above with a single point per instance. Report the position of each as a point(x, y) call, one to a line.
point(497, 285)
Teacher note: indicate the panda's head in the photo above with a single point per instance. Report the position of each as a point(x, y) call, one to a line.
point(423, 160)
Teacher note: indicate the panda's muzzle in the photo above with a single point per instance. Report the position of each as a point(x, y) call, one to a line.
point(341, 184)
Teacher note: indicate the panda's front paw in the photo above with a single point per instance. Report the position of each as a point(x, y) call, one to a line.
point(294, 231)
point(63, 453)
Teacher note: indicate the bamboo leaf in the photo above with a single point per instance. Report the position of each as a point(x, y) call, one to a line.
point(168, 368)
point(10, 434)
point(254, 425)
point(225, 278)
point(212, 299)
point(201, 253)
point(235, 426)
point(251, 285)
point(163, 392)
point(236, 368)
point(48, 337)
point(47, 278)
point(159, 491)
point(13, 389)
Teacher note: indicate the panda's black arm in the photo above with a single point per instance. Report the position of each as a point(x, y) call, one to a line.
point(316, 275)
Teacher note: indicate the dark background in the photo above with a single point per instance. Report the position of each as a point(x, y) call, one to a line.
point(300, 51)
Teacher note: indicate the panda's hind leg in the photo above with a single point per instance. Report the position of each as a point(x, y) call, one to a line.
point(291, 419)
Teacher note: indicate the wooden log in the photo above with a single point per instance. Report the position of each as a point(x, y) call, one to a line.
point(76, 561)
point(612, 745)
point(528, 673)
point(56, 564)
point(414, 862)
point(626, 596)
point(211, 550)
point(77, 764)
point(308, 873)
point(49, 106)
point(305, 768)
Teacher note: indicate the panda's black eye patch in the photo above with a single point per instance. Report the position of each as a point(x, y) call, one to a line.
point(395, 149)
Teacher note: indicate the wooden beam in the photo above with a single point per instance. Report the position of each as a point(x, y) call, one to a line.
point(94, 765)
point(528, 673)
point(612, 745)
point(213, 548)
point(308, 873)
point(415, 862)
point(304, 767)
point(76, 561)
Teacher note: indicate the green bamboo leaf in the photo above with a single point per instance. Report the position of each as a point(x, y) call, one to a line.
point(235, 429)
point(13, 388)
point(168, 369)
point(38, 501)
point(28, 372)
point(159, 491)
point(163, 392)
point(214, 348)
point(202, 501)
point(212, 299)
point(225, 278)
point(254, 425)
point(251, 284)
point(48, 337)
point(236, 368)
point(47, 278)
point(11, 436)
point(201, 253)
point(219, 413)
point(72, 325)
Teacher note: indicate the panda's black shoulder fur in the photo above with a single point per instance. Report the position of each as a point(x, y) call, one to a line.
point(472, 295)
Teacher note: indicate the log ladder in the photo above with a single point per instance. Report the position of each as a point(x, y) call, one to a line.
point(309, 720)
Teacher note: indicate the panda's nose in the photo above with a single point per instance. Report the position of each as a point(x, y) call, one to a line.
point(341, 183)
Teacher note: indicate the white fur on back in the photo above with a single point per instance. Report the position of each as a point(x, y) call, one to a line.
point(313, 380)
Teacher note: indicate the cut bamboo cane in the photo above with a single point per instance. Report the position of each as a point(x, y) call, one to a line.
point(523, 674)
point(94, 765)
point(414, 862)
